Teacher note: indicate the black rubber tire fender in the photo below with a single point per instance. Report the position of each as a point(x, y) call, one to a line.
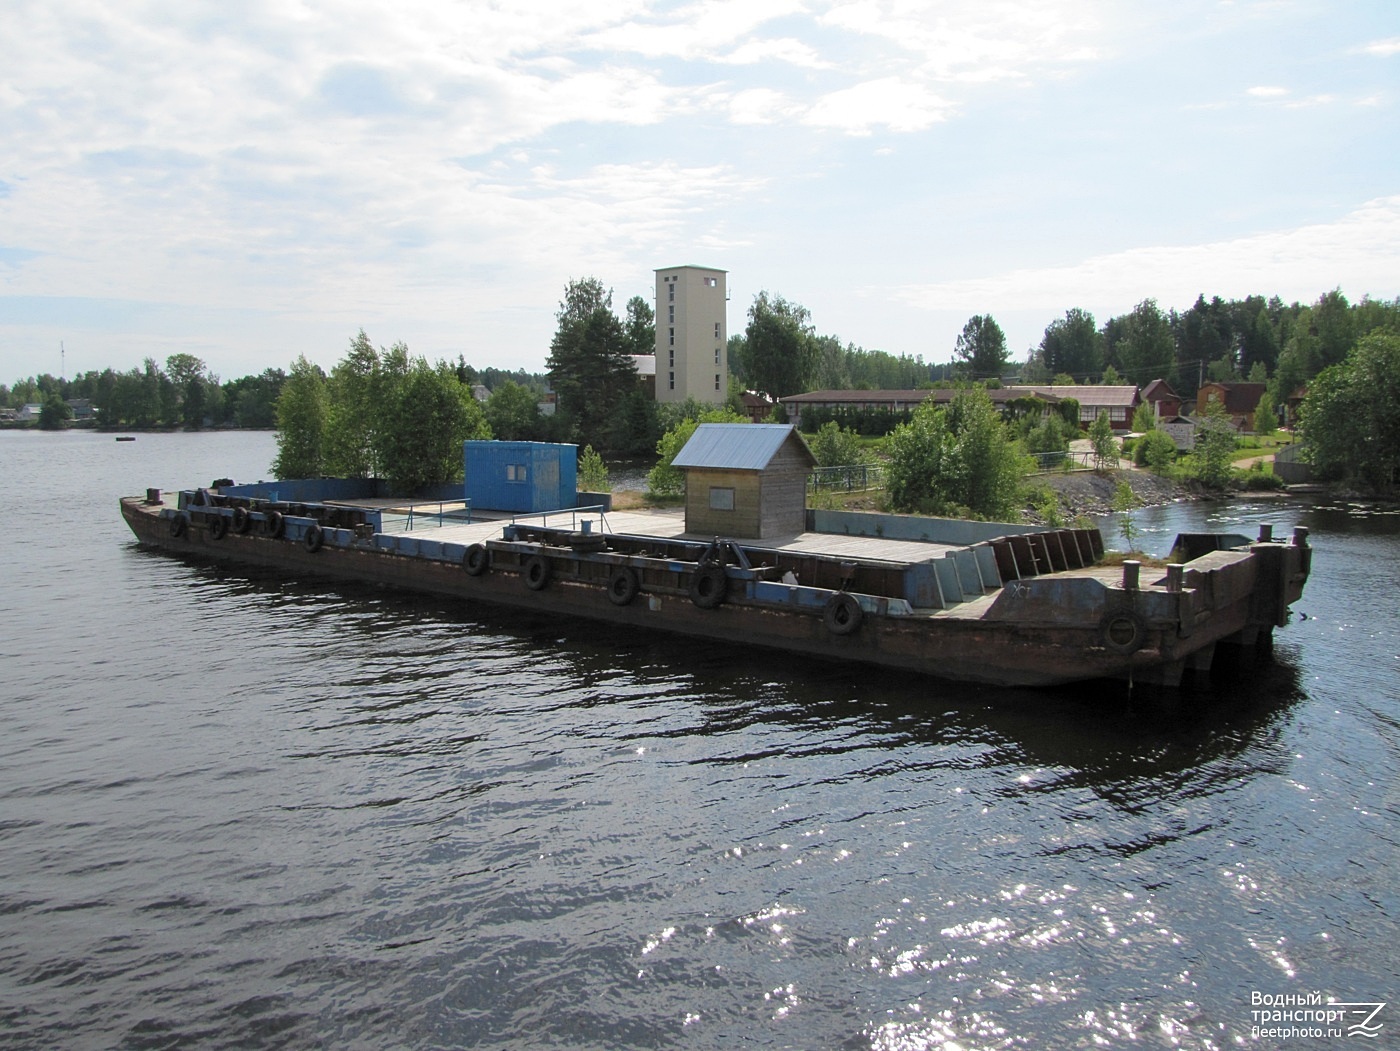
point(477, 560)
point(536, 572)
point(1123, 631)
point(709, 586)
point(275, 524)
point(242, 520)
point(218, 527)
point(314, 538)
point(179, 522)
point(623, 585)
point(842, 614)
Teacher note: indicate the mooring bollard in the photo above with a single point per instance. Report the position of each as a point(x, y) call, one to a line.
point(1266, 532)
point(1300, 536)
point(1131, 567)
point(1176, 574)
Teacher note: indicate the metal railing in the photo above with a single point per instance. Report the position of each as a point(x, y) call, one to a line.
point(418, 516)
point(855, 478)
point(572, 512)
point(1048, 463)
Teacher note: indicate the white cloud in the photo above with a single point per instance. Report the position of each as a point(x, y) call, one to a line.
point(706, 30)
point(1382, 48)
point(1267, 92)
point(762, 106)
point(990, 40)
point(792, 52)
point(1359, 252)
point(891, 102)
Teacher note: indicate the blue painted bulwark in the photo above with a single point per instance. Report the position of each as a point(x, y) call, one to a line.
point(523, 477)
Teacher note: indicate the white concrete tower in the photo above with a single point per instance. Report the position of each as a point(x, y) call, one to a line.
point(692, 358)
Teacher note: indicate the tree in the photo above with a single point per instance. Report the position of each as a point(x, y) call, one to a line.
point(779, 349)
point(1146, 348)
point(1334, 326)
point(187, 376)
point(590, 363)
point(640, 326)
point(592, 471)
point(1205, 333)
point(981, 348)
point(583, 296)
point(1144, 419)
point(665, 480)
point(835, 446)
point(1265, 419)
point(1048, 433)
point(1350, 418)
point(355, 398)
point(251, 401)
point(1072, 346)
point(957, 459)
point(513, 412)
point(426, 416)
point(1103, 442)
point(301, 422)
point(1215, 443)
point(54, 414)
point(636, 426)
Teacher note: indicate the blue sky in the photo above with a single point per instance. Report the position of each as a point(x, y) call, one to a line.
point(248, 182)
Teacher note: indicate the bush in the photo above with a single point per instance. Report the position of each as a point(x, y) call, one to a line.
point(592, 471)
point(955, 460)
point(835, 446)
point(1155, 449)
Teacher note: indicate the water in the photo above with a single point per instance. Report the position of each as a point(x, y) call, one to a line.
point(240, 811)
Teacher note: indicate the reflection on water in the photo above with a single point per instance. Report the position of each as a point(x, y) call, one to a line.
point(240, 810)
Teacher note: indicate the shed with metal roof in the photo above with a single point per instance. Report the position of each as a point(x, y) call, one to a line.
point(746, 480)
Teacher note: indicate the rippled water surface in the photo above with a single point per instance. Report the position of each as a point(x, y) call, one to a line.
point(243, 811)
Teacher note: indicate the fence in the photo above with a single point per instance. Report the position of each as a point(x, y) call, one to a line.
point(848, 479)
point(1047, 463)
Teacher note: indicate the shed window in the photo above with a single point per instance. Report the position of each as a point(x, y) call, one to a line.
point(515, 472)
point(721, 498)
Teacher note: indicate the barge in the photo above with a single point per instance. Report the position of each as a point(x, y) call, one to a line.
point(979, 602)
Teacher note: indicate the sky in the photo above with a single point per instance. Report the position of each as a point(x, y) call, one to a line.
point(247, 182)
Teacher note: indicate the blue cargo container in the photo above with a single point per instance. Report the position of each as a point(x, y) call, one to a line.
point(521, 476)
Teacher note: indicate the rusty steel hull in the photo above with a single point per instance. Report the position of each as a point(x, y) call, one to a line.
point(1014, 643)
